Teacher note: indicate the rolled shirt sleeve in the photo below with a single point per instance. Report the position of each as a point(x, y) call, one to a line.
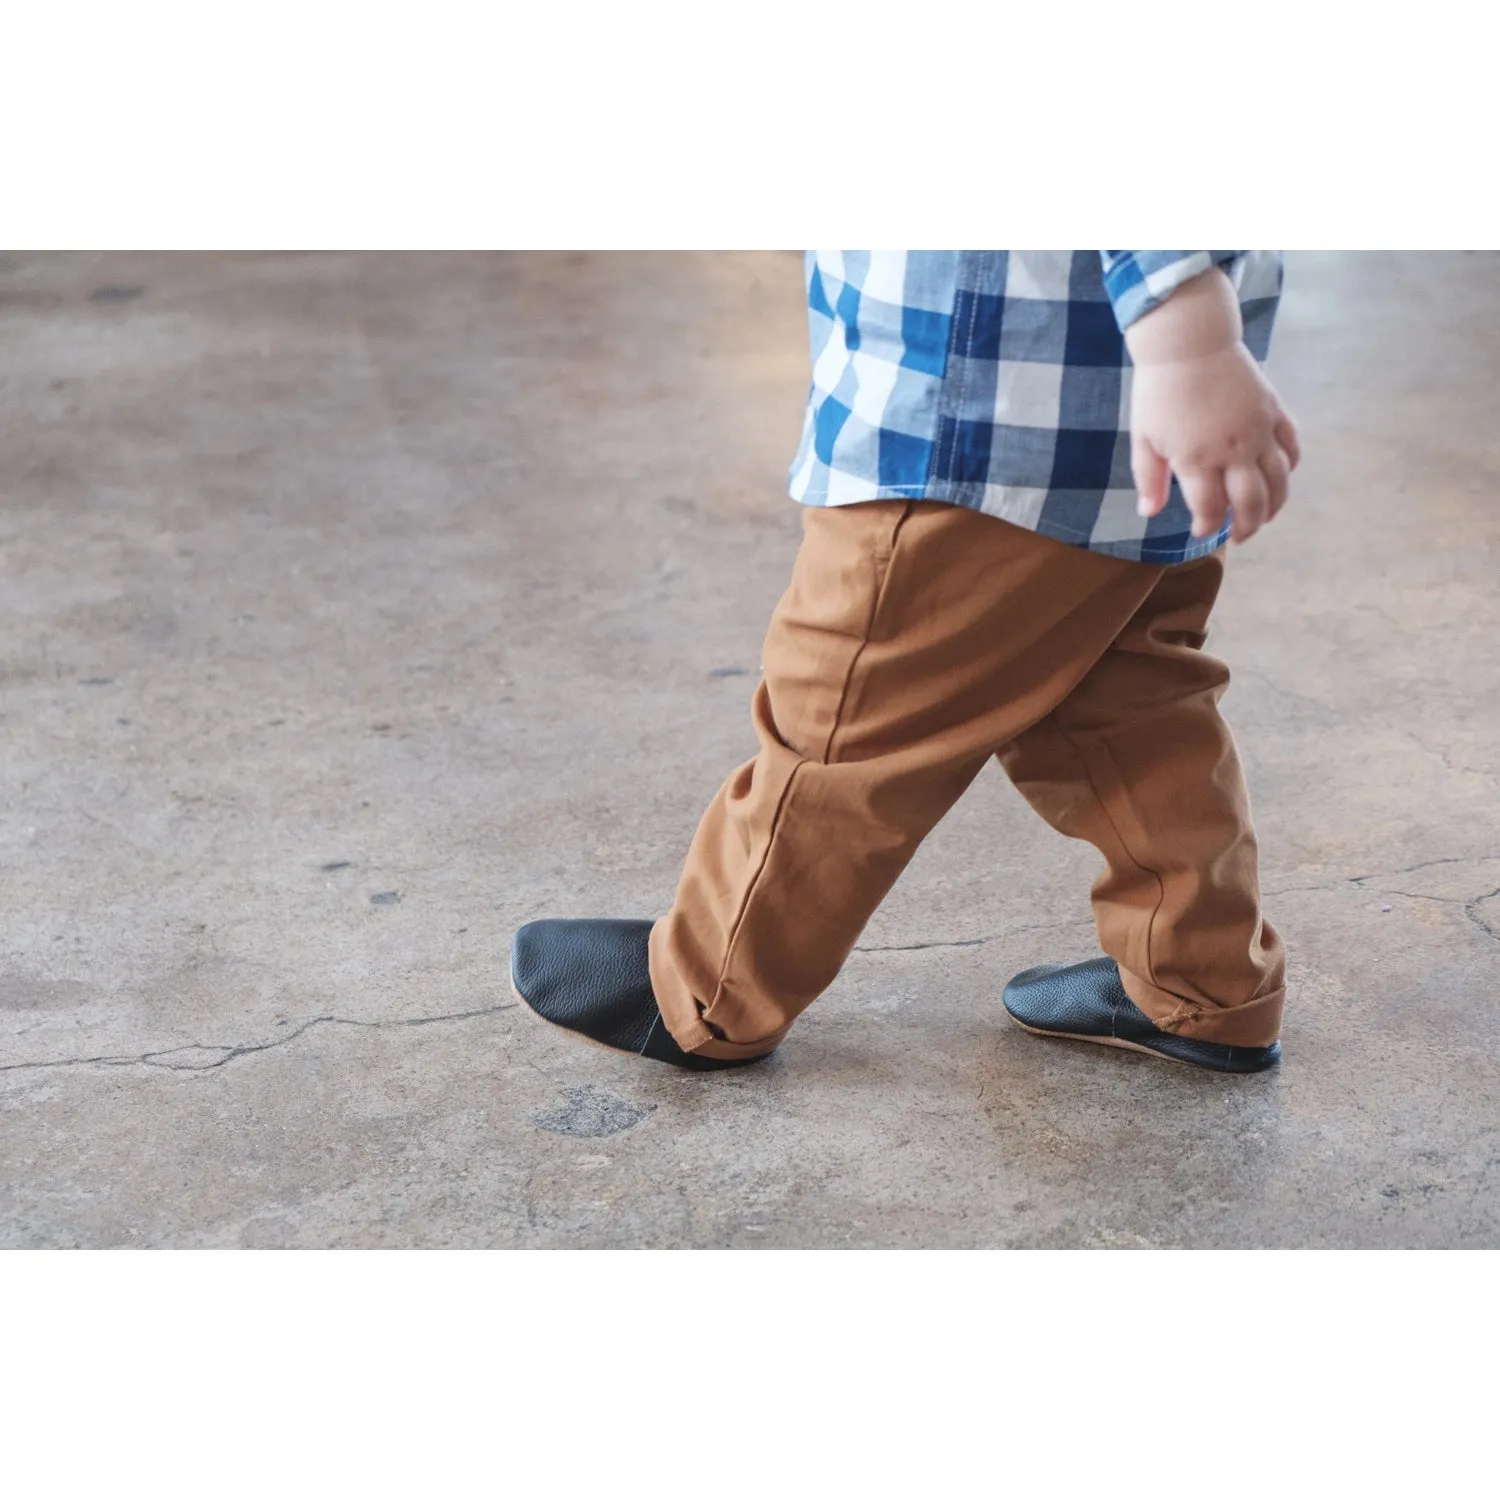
point(1139, 281)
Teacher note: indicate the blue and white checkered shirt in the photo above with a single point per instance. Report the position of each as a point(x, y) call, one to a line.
point(999, 380)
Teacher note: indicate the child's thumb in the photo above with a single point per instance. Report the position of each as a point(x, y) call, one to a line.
point(1153, 477)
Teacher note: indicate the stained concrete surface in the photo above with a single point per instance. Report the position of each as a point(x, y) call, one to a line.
point(357, 609)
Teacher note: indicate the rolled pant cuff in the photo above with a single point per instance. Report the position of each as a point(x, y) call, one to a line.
point(1256, 1023)
point(680, 1012)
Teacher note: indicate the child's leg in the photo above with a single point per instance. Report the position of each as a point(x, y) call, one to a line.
point(1137, 760)
point(914, 641)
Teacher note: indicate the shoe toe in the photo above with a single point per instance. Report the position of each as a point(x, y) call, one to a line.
point(539, 964)
point(592, 977)
point(1079, 999)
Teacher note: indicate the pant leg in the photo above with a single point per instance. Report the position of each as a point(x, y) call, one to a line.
point(1137, 760)
point(914, 641)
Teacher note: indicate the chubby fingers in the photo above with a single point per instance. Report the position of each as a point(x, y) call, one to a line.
point(1250, 497)
point(1207, 499)
point(1275, 468)
point(1285, 433)
point(1153, 477)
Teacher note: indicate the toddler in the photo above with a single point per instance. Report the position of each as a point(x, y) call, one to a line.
point(1020, 469)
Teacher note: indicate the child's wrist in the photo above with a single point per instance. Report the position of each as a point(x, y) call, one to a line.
point(1201, 318)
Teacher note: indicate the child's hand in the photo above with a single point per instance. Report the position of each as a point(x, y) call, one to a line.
point(1200, 408)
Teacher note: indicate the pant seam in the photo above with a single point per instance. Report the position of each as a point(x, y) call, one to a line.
point(888, 553)
point(1109, 817)
point(886, 559)
point(739, 918)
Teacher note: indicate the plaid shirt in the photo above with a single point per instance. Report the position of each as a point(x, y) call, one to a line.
point(999, 380)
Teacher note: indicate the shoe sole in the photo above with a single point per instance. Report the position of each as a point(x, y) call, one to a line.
point(1124, 1046)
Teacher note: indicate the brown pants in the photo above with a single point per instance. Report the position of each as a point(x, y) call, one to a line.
point(917, 640)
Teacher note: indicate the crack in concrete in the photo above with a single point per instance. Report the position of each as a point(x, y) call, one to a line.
point(1384, 615)
point(1471, 911)
point(161, 1058)
point(1317, 705)
point(1292, 890)
point(1441, 756)
point(919, 947)
point(528, 1203)
point(978, 942)
point(1470, 905)
point(1426, 864)
point(158, 1058)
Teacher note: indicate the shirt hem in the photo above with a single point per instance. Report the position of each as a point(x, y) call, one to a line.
point(1130, 549)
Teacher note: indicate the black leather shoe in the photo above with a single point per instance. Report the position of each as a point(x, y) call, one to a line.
point(593, 978)
point(1087, 1003)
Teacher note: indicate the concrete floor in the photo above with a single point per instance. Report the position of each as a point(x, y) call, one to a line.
point(360, 608)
